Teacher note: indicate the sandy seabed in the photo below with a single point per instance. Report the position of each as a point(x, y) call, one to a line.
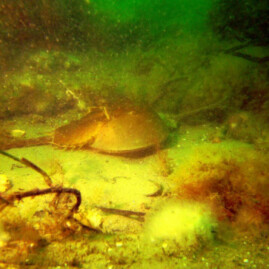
point(31, 239)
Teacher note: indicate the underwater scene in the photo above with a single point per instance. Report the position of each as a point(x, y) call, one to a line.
point(134, 134)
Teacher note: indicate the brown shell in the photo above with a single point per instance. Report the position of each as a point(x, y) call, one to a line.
point(79, 133)
point(126, 131)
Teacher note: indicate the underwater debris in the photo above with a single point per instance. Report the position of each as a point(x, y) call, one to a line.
point(53, 223)
point(17, 133)
point(158, 192)
point(234, 51)
point(9, 199)
point(81, 105)
point(126, 213)
point(5, 183)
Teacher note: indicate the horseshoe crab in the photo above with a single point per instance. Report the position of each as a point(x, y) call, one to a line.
point(122, 131)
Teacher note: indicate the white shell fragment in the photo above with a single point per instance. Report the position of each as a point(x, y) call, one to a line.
point(5, 184)
point(17, 133)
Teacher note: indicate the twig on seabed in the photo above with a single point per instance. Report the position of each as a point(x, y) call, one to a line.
point(10, 198)
point(126, 213)
point(36, 192)
point(29, 164)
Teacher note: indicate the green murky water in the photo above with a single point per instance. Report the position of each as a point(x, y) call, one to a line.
point(166, 139)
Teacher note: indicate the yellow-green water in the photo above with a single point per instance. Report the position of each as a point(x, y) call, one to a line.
point(201, 199)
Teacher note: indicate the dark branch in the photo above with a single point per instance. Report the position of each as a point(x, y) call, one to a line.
point(251, 58)
point(234, 51)
point(59, 190)
point(29, 164)
point(126, 213)
point(8, 199)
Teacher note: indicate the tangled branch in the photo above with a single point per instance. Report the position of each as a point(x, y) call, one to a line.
point(8, 199)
